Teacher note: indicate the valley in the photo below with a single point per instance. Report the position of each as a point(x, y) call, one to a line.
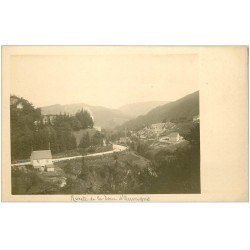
point(157, 151)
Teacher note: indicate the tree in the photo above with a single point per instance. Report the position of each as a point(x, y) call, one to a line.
point(28, 132)
point(22, 127)
point(84, 118)
point(194, 135)
point(179, 171)
point(85, 141)
point(97, 139)
point(75, 123)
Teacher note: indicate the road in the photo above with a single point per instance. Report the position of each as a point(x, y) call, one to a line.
point(116, 148)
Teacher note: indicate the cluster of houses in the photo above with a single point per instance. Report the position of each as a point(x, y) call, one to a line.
point(171, 138)
point(154, 131)
point(42, 159)
point(48, 119)
point(160, 132)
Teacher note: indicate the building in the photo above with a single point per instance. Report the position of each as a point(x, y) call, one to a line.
point(154, 131)
point(174, 137)
point(50, 168)
point(98, 128)
point(157, 128)
point(14, 100)
point(19, 105)
point(196, 118)
point(171, 138)
point(42, 160)
point(125, 140)
point(48, 119)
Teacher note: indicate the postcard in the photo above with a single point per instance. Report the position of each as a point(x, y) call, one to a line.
point(124, 123)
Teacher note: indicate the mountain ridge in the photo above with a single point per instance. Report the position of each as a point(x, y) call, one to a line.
point(182, 109)
point(140, 108)
point(104, 117)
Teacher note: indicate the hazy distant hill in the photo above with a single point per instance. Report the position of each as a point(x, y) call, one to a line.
point(140, 108)
point(104, 117)
point(182, 109)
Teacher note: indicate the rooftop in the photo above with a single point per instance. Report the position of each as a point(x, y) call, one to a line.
point(41, 154)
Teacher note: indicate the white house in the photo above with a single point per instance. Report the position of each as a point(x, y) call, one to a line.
point(98, 128)
point(42, 160)
point(171, 138)
point(174, 137)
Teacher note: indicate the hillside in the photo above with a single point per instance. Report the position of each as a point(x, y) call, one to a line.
point(181, 110)
point(140, 108)
point(29, 133)
point(79, 134)
point(104, 117)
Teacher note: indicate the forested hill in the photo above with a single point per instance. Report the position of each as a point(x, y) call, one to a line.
point(104, 117)
point(181, 110)
point(29, 132)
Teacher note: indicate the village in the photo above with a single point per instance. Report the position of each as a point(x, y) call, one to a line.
point(164, 134)
point(71, 153)
point(158, 134)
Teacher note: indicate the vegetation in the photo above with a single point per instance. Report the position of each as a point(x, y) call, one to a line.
point(113, 174)
point(82, 120)
point(169, 169)
point(104, 117)
point(178, 111)
point(166, 172)
point(178, 171)
point(29, 132)
point(27, 181)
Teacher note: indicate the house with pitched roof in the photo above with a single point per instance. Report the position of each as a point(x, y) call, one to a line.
point(42, 160)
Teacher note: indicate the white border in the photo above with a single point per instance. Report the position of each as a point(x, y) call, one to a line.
point(125, 226)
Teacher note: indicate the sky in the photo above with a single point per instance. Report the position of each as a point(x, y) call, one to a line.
point(104, 80)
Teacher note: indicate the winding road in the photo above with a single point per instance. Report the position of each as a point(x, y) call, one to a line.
point(116, 148)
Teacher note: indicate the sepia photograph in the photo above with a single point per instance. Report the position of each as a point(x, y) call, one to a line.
point(124, 124)
point(105, 124)
point(121, 123)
